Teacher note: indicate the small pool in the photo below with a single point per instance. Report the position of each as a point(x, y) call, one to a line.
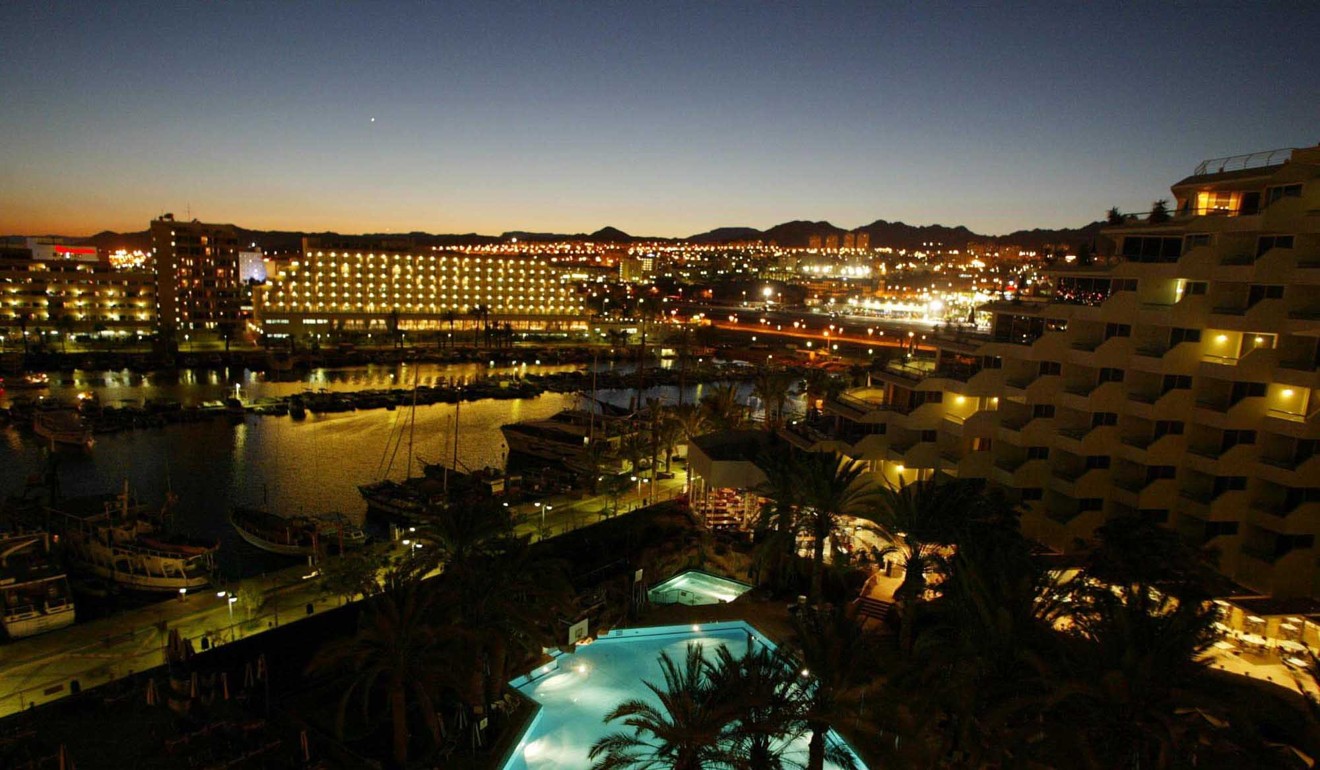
point(576, 690)
point(694, 587)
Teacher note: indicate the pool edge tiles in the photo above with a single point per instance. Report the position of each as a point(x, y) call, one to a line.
point(515, 757)
point(705, 594)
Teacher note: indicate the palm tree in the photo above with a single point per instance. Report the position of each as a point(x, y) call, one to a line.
point(669, 431)
point(691, 418)
point(777, 521)
point(722, 408)
point(990, 656)
point(772, 703)
point(832, 487)
point(692, 728)
point(1144, 651)
point(771, 387)
point(820, 385)
point(450, 316)
point(917, 520)
point(463, 529)
point(395, 656)
point(66, 325)
point(839, 661)
point(505, 603)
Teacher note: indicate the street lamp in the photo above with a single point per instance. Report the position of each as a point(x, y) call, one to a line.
point(231, 601)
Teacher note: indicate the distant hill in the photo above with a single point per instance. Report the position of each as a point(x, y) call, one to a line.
point(727, 235)
point(797, 233)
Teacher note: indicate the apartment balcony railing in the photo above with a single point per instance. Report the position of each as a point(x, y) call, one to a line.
point(1262, 159)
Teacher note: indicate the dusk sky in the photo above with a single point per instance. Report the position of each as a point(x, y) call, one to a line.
point(658, 118)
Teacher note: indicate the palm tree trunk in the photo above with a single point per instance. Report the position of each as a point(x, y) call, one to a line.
point(399, 715)
point(817, 568)
point(816, 747)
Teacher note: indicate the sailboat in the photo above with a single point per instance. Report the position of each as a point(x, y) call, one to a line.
point(404, 501)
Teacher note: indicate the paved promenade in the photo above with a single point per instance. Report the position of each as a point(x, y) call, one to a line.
point(43, 668)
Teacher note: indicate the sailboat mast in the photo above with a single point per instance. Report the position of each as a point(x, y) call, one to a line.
point(591, 428)
point(456, 407)
point(412, 421)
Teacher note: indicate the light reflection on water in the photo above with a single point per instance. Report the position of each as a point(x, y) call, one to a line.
point(309, 466)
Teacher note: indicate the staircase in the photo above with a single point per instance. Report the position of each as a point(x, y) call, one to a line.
point(873, 609)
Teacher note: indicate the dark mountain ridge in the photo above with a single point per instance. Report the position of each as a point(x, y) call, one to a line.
point(794, 234)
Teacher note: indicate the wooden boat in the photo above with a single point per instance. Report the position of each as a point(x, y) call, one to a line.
point(115, 538)
point(293, 536)
point(62, 428)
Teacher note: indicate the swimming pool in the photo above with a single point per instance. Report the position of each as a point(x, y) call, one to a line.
point(693, 587)
point(576, 690)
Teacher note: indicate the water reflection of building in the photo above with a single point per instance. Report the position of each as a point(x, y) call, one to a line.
point(356, 285)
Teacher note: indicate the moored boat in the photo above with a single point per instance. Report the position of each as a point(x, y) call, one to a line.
point(34, 591)
point(62, 428)
point(576, 438)
point(117, 539)
point(293, 536)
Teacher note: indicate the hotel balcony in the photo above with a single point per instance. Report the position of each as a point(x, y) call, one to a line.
point(1173, 403)
point(983, 423)
point(971, 465)
point(1020, 473)
point(1077, 481)
point(1279, 563)
point(1087, 440)
point(1290, 472)
point(1209, 458)
point(1163, 450)
point(806, 437)
point(859, 405)
point(1031, 431)
point(1160, 358)
point(914, 453)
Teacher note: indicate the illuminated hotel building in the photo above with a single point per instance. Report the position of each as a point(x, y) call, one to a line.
point(56, 287)
point(358, 286)
point(197, 275)
point(1174, 379)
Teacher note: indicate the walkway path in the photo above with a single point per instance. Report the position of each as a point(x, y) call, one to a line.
point(43, 668)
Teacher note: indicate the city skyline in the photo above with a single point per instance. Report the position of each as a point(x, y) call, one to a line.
point(663, 122)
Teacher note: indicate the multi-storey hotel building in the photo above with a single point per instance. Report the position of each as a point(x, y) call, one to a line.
point(197, 277)
point(69, 289)
point(1175, 379)
point(362, 286)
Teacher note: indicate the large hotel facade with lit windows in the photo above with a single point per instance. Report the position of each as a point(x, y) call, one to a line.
point(50, 287)
point(1175, 378)
point(354, 286)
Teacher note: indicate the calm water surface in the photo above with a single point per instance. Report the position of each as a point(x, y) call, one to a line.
point(309, 466)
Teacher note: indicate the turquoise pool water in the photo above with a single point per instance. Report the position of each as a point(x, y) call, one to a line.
point(696, 587)
point(577, 690)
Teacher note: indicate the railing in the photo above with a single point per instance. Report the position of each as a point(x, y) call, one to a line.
point(1260, 159)
point(860, 404)
point(1280, 414)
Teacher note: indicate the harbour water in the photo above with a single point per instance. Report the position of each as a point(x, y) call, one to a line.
point(294, 467)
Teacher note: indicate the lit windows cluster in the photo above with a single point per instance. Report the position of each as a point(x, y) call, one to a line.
point(420, 284)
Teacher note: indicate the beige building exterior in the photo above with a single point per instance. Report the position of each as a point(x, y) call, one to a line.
point(359, 287)
point(74, 294)
point(198, 287)
point(1175, 379)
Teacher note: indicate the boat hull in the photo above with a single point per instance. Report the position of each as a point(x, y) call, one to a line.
point(23, 625)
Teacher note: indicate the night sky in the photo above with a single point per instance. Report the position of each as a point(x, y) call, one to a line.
point(658, 118)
